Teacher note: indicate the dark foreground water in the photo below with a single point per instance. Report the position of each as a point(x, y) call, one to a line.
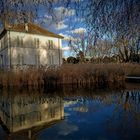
point(71, 114)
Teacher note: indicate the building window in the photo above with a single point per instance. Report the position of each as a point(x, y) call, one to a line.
point(38, 116)
point(50, 43)
point(22, 120)
point(37, 59)
point(5, 60)
point(19, 41)
point(36, 42)
point(52, 113)
point(5, 41)
point(51, 59)
point(1, 60)
point(0, 44)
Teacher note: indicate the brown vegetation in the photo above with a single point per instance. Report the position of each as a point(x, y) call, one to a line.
point(21, 78)
point(92, 75)
point(79, 75)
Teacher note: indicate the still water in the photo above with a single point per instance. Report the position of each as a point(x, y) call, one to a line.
point(70, 114)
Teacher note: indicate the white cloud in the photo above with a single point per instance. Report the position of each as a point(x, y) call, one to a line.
point(79, 19)
point(58, 21)
point(67, 129)
point(62, 34)
point(71, 38)
point(48, 17)
point(64, 11)
point(66, 48)
point(60, 25)
point(79, 30)
point(67, 37)
point(81, 109)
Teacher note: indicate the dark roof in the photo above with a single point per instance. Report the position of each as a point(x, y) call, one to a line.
point(33, 29)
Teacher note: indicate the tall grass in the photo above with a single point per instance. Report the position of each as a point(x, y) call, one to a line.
point(92, 75)
point(79, 75)
point(22, 78)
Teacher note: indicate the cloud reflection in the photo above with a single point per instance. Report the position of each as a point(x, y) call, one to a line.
point(67, 128)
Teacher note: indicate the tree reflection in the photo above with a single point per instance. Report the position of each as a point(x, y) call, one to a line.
point(125, 106)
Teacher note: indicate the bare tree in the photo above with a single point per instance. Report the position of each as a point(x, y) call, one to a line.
point(82, 41)
point(116, 18)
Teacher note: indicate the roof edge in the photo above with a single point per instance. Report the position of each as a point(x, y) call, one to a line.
point(42, 31)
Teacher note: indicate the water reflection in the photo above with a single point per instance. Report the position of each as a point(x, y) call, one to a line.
point(111, 114)
point(22, 111)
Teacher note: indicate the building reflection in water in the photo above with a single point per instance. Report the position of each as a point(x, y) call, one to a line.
point(21, 112)
point(34, 112)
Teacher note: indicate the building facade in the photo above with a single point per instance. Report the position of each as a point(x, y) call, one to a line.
point(28, 44)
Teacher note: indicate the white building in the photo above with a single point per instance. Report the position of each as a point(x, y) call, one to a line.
point(29, 44)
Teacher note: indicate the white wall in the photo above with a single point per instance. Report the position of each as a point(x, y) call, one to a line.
point(29, 53)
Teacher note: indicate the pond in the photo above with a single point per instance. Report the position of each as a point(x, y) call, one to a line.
point(70, 114)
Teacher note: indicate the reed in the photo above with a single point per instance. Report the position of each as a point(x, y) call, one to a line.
point(21, 78)
point(95, 75)
point(78, 75)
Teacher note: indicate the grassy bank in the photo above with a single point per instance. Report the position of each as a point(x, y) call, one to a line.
point(84, 75)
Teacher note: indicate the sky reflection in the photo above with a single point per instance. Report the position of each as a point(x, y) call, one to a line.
point(104, 115)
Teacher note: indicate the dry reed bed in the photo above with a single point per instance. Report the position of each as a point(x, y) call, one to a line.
point(96, 75)
point(20, 78)
point(85, 75)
